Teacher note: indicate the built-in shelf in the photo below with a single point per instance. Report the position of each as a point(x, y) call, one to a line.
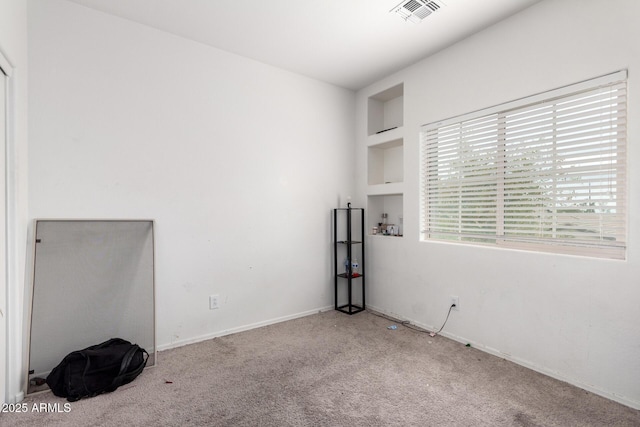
point(389, 189)
point(385, 110)
point(385, 137)
point(385, 160)
point(390, 204)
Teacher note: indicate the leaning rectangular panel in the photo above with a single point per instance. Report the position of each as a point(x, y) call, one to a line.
point(93, 280)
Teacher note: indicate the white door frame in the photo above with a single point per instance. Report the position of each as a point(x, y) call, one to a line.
point(11, 322)
point(3, 229)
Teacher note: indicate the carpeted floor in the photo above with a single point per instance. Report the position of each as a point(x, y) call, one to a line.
point(331, 369)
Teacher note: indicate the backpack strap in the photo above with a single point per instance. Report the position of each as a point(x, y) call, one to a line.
point(78, 396)
point(124, 376)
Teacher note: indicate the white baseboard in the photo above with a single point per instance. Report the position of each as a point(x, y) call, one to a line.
point(224, 332)
point(519, 361)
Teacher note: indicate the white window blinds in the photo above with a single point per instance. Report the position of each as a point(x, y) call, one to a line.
point(546, 172)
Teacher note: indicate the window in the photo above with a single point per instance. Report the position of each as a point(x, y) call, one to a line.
point(547, 172)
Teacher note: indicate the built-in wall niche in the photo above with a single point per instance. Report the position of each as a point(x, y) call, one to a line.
point(391, 205)
point(385, 110)
point(385, 162)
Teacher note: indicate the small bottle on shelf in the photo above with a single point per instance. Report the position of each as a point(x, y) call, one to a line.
point(355, 267)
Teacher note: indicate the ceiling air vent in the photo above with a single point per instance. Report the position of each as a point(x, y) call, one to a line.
point(416, 10)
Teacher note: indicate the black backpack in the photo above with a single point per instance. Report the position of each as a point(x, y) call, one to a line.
point(97, 369)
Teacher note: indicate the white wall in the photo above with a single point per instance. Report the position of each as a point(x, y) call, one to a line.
point(570, 317)
point(238, 162)
point(13, 45)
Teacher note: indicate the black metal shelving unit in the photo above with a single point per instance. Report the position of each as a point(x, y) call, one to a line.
point(352, 247)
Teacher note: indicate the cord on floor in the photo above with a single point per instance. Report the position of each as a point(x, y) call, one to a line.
point(408, 325)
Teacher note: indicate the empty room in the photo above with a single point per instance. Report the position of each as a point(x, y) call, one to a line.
point(343, 213)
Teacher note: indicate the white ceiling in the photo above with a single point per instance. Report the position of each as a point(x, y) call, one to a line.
point(349, 43)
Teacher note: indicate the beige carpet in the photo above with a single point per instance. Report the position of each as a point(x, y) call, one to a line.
point(332, 369)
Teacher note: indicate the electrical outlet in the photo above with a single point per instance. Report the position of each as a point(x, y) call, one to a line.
point(214, 302)
point(454, 300)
